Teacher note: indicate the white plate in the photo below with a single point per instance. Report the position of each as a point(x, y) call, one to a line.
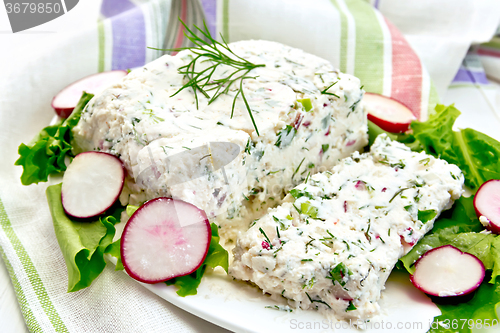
point(240, 307)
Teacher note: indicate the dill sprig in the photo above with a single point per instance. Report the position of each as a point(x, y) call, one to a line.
point(217, 54)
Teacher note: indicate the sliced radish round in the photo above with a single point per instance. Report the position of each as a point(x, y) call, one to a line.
point(65, 100)
point(91, 184)
point(165, 238)
point(446, 271)
point(387, 113)
point(487, 205)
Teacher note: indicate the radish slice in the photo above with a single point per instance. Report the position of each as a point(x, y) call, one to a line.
point(165, 238)
point(446, 271)
point(487, 205)
point(91, 184)
point(65, 101)
point(387, 113)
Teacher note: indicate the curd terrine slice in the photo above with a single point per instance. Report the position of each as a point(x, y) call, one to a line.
point(308, 115)
point(334, 241)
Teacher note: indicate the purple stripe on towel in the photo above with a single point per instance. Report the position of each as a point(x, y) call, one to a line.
point(376, 3)
point(210, 9)
point(129, 33)
point(465, 75)
point(111, 8)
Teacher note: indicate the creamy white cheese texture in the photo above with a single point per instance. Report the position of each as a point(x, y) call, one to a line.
point(334, 241)
point(308, 114)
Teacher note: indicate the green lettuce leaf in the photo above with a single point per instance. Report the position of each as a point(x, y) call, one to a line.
point(114, 250)
point(462, 215)
point(476, 154)
point(408, 139)
point(436, 134)
point(131, 210)
point(374, 131)
point(46, 153)
point(83, 243)
point(481, 308)
point(216, 256)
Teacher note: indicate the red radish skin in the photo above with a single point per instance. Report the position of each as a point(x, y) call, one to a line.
point(91, 184)
point(387, 113)
point(65, 101)
point(164, 239)
point(487, 205)
point(446, 271)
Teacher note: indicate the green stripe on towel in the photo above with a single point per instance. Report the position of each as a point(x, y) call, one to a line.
point(369, 63)
point(102, 45)
point(225, 20)
point(343, 38)
point(32, 273)
point(29, 318)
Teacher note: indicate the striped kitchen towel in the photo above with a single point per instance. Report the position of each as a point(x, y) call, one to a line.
point(489, 54)
point(352, 34)
point(471, 71)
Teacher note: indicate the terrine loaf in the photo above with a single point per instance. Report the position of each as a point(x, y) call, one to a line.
point(308, 116)
point(334, 241)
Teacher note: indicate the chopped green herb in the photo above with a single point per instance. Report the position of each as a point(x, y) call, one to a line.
point(318, 301)
point(282, 225)
point(397, 193)
point(248, 147)
point(306, 103)
point(426, 215)
point(267, 238)
point(425, 161)
point(310, 242)
point(325, 91)
point(279, 308)
point(298, 210)
point(297, 170)
point(309, 284)
point(285, 136)
point(351, 307)
point(308, 209)
point(338, 273)
point(298, 194)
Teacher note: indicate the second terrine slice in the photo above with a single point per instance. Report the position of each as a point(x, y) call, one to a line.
point(334, 241)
